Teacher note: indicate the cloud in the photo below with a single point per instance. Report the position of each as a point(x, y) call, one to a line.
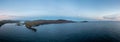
point(4, 12)
point(114, 17)
point(6, 17)
point(10, 17)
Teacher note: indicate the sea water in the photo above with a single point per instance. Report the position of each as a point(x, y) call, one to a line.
point(100, 31)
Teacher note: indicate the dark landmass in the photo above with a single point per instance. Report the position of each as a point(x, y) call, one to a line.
point(30, 24)
point(84, 21)
point(7, 21)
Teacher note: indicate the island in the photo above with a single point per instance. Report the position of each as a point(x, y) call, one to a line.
point(30, 24)
point(84, 21)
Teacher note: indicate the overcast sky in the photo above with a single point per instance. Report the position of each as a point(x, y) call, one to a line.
point(96, 9)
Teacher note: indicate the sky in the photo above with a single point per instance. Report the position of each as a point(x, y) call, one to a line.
point(87, 9)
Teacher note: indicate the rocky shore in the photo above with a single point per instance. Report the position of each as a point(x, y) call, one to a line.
point(7, 21)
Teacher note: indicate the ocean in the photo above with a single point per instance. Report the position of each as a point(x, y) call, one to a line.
point(93, 31)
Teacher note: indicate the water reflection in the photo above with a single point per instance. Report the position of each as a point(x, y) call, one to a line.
point(33, 29)
point(1, 24)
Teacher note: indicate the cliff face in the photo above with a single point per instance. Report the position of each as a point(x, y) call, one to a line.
point(30, 24)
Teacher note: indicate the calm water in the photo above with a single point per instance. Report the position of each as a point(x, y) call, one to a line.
point(70, 32)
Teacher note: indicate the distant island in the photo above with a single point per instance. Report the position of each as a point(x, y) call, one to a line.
point(84, 21)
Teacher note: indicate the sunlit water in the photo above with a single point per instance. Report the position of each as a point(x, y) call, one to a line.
point(70, 32)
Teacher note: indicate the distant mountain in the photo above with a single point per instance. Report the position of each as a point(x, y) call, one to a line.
point(55, 18)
